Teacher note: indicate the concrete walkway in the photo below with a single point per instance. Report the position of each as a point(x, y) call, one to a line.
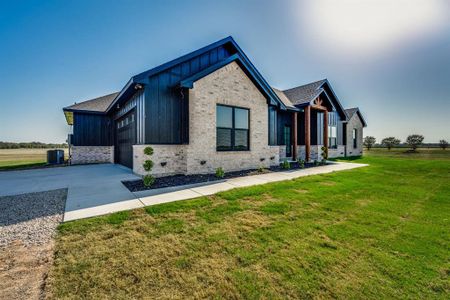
point(123, 200)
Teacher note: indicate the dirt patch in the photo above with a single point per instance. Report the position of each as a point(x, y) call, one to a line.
point(23, 270)
point(27, 226)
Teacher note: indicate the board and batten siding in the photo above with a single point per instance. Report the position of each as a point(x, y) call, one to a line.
point(136, 102)
point(92, 130)
point(167, 105)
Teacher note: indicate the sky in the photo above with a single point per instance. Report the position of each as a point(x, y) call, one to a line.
point(391, 58)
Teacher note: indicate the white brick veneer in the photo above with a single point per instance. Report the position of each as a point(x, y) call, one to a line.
point(91, 154)
point(354, 122)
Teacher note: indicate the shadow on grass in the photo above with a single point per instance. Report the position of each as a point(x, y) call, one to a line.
point(350, 158)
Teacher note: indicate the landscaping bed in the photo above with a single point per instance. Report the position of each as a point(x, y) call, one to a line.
point(177, 180)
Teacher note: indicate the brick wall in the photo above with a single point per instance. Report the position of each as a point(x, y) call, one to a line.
point(230, 86)
point(91, 154)
point(354, 122)
point(167, 159)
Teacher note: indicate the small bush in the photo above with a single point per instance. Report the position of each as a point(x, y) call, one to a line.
point(285, 164)
point(148, 180)
point(220, 173)
point(261, 169)
point(316, 162)
point(148, 165)
point(324, 152)
point(148, 150)
point(301, 163)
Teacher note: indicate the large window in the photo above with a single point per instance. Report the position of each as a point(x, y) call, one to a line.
point(232, 128)
point(355, 135)
point(332, 129)
point(332, 136)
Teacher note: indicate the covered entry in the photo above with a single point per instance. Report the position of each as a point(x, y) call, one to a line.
point(125, 139)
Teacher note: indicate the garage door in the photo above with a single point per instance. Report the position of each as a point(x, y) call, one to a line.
point(125, 139)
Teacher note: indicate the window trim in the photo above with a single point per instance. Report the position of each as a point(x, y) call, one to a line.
point(355, 138)
point(233, 128)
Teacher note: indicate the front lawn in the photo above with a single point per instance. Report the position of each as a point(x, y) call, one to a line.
point(377, 232)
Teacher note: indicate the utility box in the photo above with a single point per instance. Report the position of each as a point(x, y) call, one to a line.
point(55, 157)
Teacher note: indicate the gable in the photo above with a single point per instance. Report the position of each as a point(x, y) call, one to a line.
point(216, 54)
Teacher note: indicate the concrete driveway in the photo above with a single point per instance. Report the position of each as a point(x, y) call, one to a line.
point(88, 185)
point(95, 190)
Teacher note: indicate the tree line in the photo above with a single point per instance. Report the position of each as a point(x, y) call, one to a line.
point(11, 145)
point(413, 141)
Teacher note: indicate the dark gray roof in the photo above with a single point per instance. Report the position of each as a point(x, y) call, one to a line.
point(350, 112)
point(283, 98)
point(304, 93)
point(99, 104)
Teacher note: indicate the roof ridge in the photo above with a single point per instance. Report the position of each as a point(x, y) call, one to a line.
point(305, 85)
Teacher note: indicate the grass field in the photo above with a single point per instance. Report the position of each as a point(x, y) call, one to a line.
point(23, 158)
point(378, 232)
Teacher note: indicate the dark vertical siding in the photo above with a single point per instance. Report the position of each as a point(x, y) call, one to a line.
point(313, 127)
point(92, 130)
point(284, 118)
point(166, 106)
point(273, 124)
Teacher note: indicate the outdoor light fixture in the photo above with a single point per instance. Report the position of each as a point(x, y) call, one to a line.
point(138, 86)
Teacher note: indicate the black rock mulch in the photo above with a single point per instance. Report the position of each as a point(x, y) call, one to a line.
point(176, 180)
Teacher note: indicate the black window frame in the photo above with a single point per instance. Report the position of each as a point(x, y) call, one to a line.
point(355, 138)
point(234, 129)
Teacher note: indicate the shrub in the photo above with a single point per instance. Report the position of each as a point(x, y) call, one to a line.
point(285, 164)
point(324, 152)
point(149, 180)
point(220, 173)
point(316, 162)
point(390, 142)
point(414, 141)
point(301, 163)
point(148, 165)
point(148, 151)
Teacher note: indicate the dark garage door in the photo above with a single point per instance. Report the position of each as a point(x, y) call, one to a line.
point(125, 139)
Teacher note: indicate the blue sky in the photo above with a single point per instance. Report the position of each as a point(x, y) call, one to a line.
point(390, 58)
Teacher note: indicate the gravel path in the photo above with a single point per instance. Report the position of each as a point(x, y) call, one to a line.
point(31, 218)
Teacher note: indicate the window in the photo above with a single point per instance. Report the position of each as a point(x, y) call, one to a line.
point(332, 129)
point(355, 134)
point(332, 136)
point(232, 128)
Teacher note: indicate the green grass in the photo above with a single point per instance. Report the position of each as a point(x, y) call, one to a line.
point(378, 232)
point(11, 159)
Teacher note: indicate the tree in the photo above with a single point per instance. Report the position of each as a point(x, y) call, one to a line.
point(443, 144)
point(369, 141)
point(414, 141)
point(390, 142)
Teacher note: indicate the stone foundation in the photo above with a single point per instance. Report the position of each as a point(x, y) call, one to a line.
point(338, 152)
point(91, 154)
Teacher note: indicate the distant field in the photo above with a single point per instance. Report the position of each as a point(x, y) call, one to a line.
point(22, 158)
point(421, 153)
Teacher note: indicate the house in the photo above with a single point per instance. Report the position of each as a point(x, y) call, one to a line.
point(211, 108)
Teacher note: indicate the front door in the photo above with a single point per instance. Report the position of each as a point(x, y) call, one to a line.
point(287, 140)
point(125, 139)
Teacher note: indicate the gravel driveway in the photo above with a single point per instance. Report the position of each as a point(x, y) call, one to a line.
point(27, 226)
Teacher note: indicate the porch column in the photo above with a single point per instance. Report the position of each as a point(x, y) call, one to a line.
point(307, 132)
point(294, 136)
point(325, 128)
